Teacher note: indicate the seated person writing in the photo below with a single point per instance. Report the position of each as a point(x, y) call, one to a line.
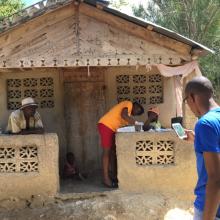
point(25, 120)
point(152, 122)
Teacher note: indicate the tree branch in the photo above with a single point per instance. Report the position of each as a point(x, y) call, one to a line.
point(209, 23)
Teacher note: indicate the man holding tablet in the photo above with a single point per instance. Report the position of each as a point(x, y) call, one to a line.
point(199, 97)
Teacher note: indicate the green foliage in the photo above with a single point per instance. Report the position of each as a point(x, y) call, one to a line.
point(196, 19)
point(118, 3)
point(210, 67)
point(8, 7)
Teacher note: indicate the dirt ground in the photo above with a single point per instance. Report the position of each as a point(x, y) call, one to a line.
point(111, 205)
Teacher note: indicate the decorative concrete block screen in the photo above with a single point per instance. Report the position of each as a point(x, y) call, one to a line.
point(30, 161)
point(41, 89)
point(143, 88)
point(19, 159)
point(155, 162)
point(159, 152)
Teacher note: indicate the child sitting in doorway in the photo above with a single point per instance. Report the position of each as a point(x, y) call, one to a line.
point(70, 168)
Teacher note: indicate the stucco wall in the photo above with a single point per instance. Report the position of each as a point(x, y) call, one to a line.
point(28, 165)
point(85, 99)
point(53, 118)
point(175, 174)
point(189, 119)
point(167, 107)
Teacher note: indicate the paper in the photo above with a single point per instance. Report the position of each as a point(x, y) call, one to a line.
point(126, 129)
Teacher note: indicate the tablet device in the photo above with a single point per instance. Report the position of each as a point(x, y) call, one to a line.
point(179, 130)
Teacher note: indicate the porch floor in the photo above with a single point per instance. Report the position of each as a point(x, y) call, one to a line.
point(93, 183)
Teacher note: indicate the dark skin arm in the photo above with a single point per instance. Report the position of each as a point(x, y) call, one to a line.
point(126, 117)
point(212, 163)
point(190, 135)
point(29, 131)
point(147, 126)
point(32, 131)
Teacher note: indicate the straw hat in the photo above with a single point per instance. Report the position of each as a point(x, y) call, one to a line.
point(155, 110)
point(28, 102)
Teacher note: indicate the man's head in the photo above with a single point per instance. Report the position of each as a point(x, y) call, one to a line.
point(137, 109)
point(70, 158)
point(28, 106)
point(29, 111)
point(198, 93)
point(153, 113)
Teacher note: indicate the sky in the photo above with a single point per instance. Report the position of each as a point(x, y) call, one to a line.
point(126, 9)
point(30, 2)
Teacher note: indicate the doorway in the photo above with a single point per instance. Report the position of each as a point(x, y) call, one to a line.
point(84, 100)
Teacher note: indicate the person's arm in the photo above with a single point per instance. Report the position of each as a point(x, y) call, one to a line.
point(38, 126)
point(212, 164)
point(13, 126)
point(32, 131)
point(126, 117)
point(147, 125)
point(190, 135)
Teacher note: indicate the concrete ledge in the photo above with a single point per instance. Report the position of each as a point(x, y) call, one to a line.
point(28, 165)
point(176, 175)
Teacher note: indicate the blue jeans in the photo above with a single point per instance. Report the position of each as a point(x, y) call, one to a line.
point(198, 215)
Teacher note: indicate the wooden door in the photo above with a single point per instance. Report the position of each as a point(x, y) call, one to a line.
point(84, 105)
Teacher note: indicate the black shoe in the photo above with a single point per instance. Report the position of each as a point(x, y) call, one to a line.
point(115, 180)
point(112, 186)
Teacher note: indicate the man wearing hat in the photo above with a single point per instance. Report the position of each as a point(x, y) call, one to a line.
point(152, 122)
point(25, 120)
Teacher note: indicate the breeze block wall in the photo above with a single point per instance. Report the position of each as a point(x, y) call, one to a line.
point(28, 165)
point(155, 162)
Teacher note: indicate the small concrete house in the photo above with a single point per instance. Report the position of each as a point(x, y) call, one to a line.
point(79, 58)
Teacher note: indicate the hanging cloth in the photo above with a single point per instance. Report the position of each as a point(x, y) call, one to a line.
point(176, 73)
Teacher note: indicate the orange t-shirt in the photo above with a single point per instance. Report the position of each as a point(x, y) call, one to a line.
point(112, 119)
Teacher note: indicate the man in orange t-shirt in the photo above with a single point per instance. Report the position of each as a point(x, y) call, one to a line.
point(118, 116)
